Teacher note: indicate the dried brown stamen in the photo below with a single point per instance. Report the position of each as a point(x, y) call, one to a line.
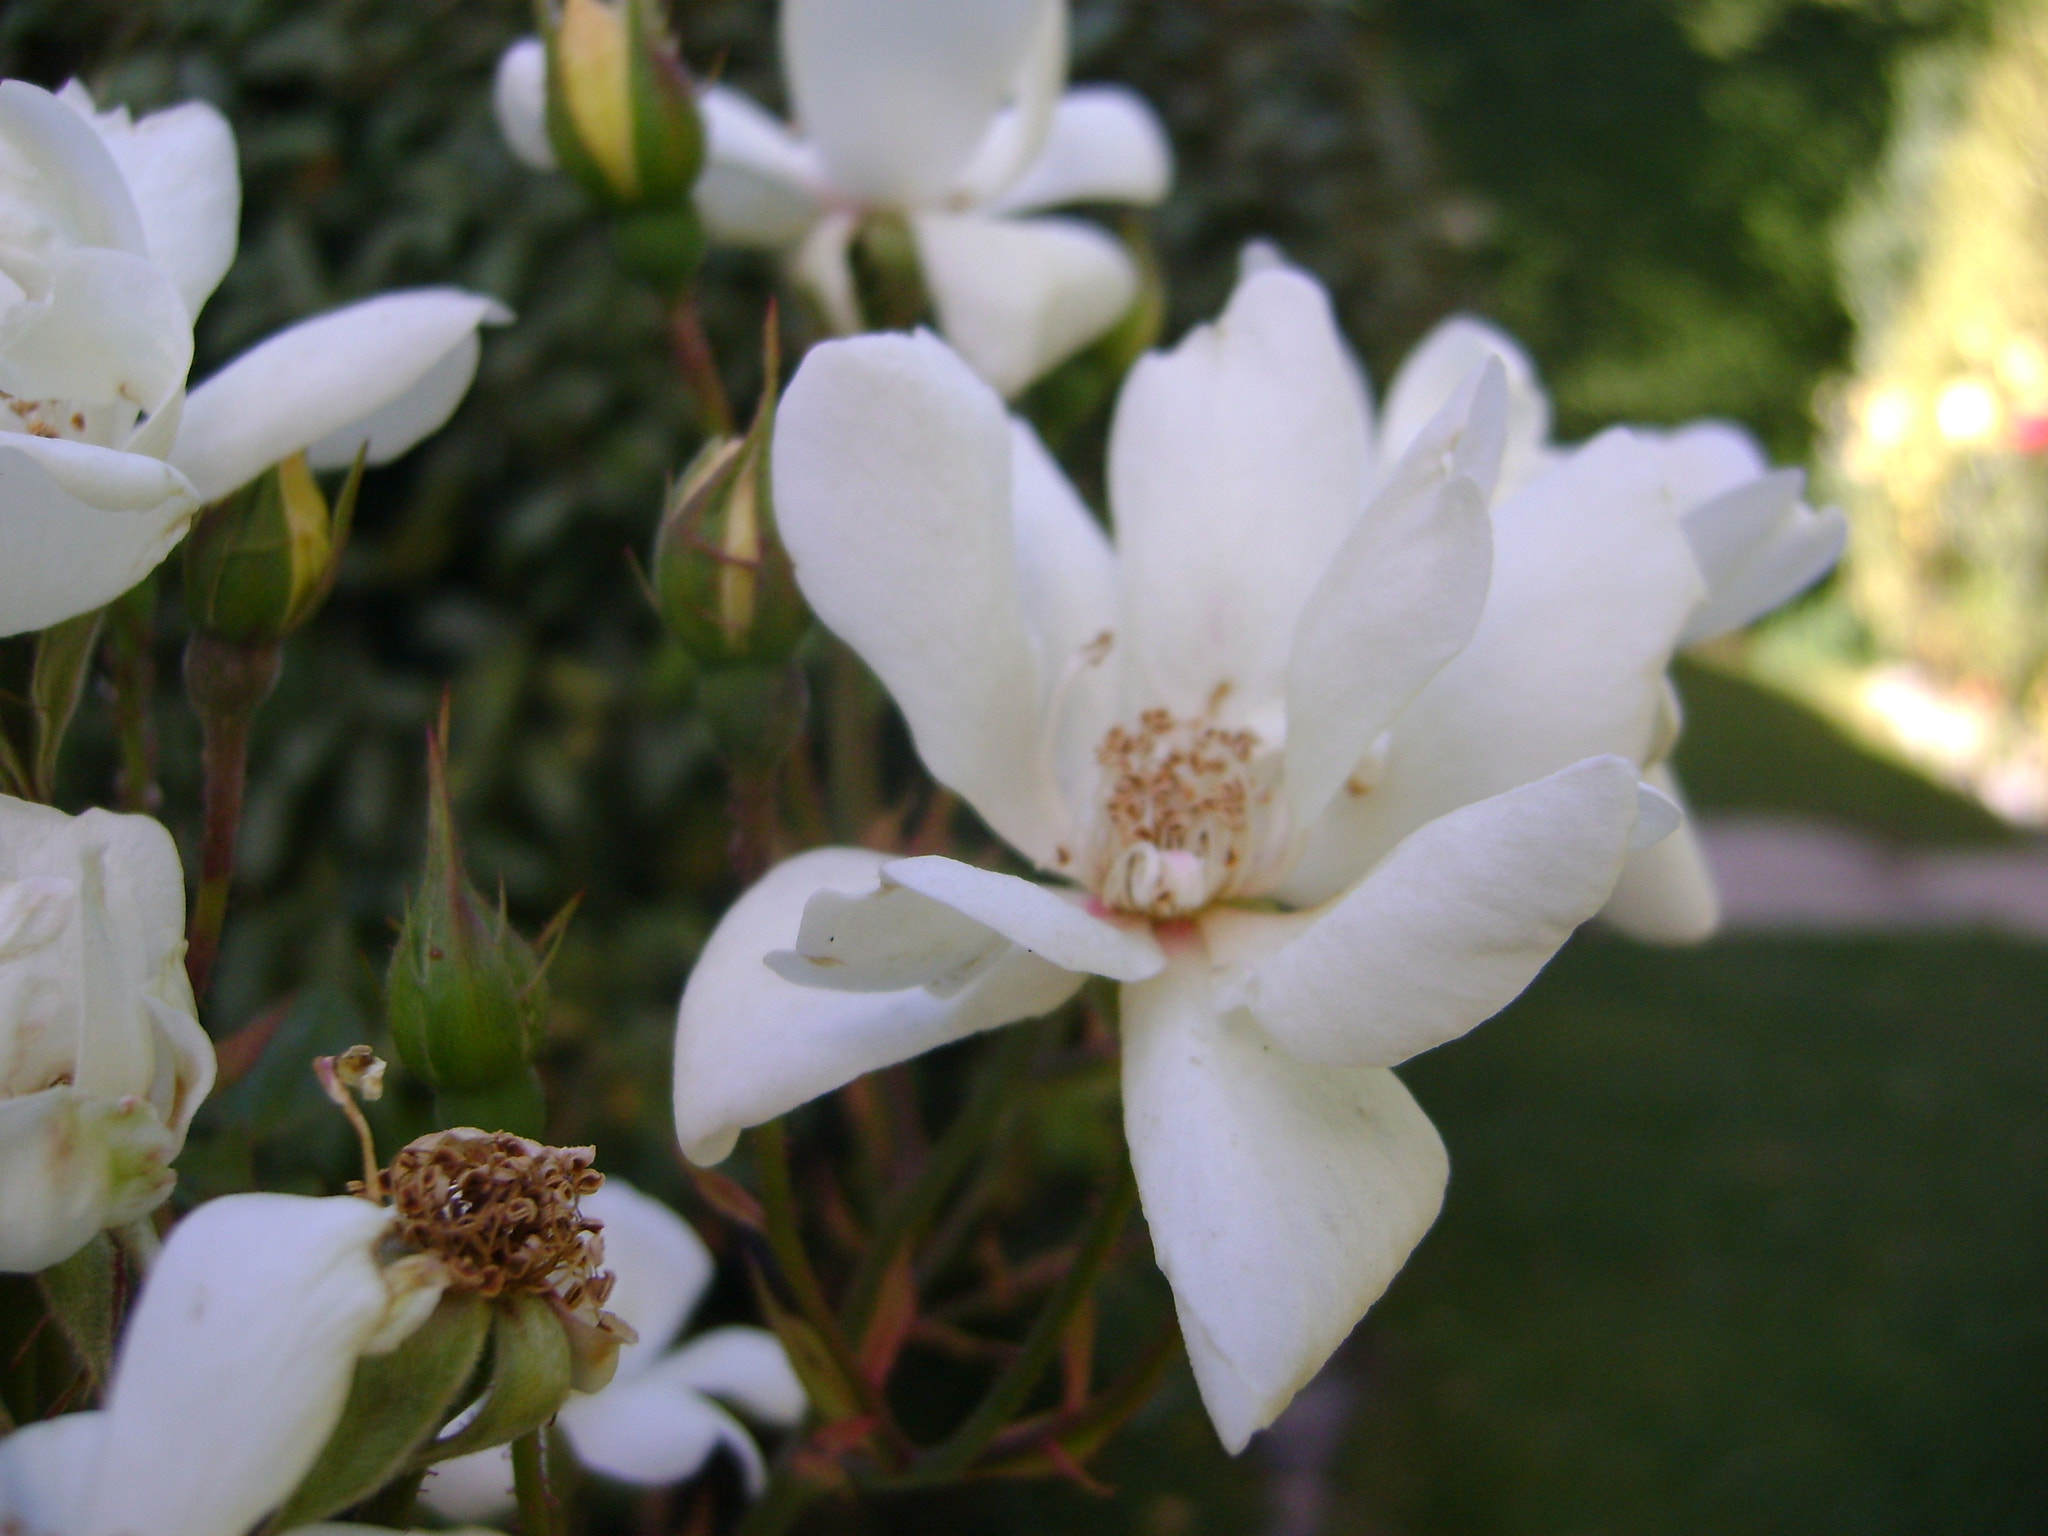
point(502, 1213)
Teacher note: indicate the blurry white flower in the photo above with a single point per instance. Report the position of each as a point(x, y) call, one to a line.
point(951, 113)
point(112, 234)
point(657, 1422)
point(1309, 676)
point(102, 1062)
point(519, 100)
point(232, 1373)
point(1757, 542)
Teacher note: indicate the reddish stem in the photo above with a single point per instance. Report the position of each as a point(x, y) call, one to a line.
point(699, 366)
point(226, 681)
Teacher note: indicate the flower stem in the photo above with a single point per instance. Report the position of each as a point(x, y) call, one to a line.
point(530, 1485)
point(130, 659)
point(64, 655)
point(913, 1208)
point(139, 1243)
point(699, 366)
point(226, 681)
point(785, 1240)
point(1098, 1239)
point(751, 806)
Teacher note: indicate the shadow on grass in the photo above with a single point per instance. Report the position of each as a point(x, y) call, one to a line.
point(1749, 748)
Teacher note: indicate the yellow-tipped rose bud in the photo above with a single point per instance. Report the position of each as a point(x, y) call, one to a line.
point(722, 579)
point(621, 111)
point(260, 562)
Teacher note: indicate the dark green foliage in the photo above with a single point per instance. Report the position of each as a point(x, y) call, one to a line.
point(1663, 176)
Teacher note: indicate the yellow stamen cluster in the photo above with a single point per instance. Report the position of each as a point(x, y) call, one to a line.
point(1176, 813)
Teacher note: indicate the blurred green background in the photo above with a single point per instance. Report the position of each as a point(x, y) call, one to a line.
point(1743, 1240)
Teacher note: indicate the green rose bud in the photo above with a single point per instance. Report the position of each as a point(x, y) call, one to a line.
point(260, 562)
point(722, 580)
point(467, 996)
point(621, 111)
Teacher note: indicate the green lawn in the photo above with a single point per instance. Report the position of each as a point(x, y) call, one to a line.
point(1752, 1239)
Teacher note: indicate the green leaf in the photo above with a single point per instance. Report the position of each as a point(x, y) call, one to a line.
point(530, 1375)
point(395, 1405)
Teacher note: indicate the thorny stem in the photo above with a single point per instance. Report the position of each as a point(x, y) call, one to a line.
point(226, 682)
point(530, 1485)
point(913, 1208)
point(699, 366)
point(1082, 1431)
point(952, 1233)
point(778, 1209)
point(1097, 1241)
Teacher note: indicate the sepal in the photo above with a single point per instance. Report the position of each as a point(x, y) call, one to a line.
point(396, 1404)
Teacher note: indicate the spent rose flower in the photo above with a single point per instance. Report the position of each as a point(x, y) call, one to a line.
point(113, 232)
point(1757, 542)
point(951, 114)
point(102, 1061)
point(232, 1372)
point(659, 1420)
point(1333, 749)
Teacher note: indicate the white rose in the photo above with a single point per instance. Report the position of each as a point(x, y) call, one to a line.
point(951, 114)
point(112, 234)
point(233, 1370)
point(102, 1061)
point(1327, 754)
